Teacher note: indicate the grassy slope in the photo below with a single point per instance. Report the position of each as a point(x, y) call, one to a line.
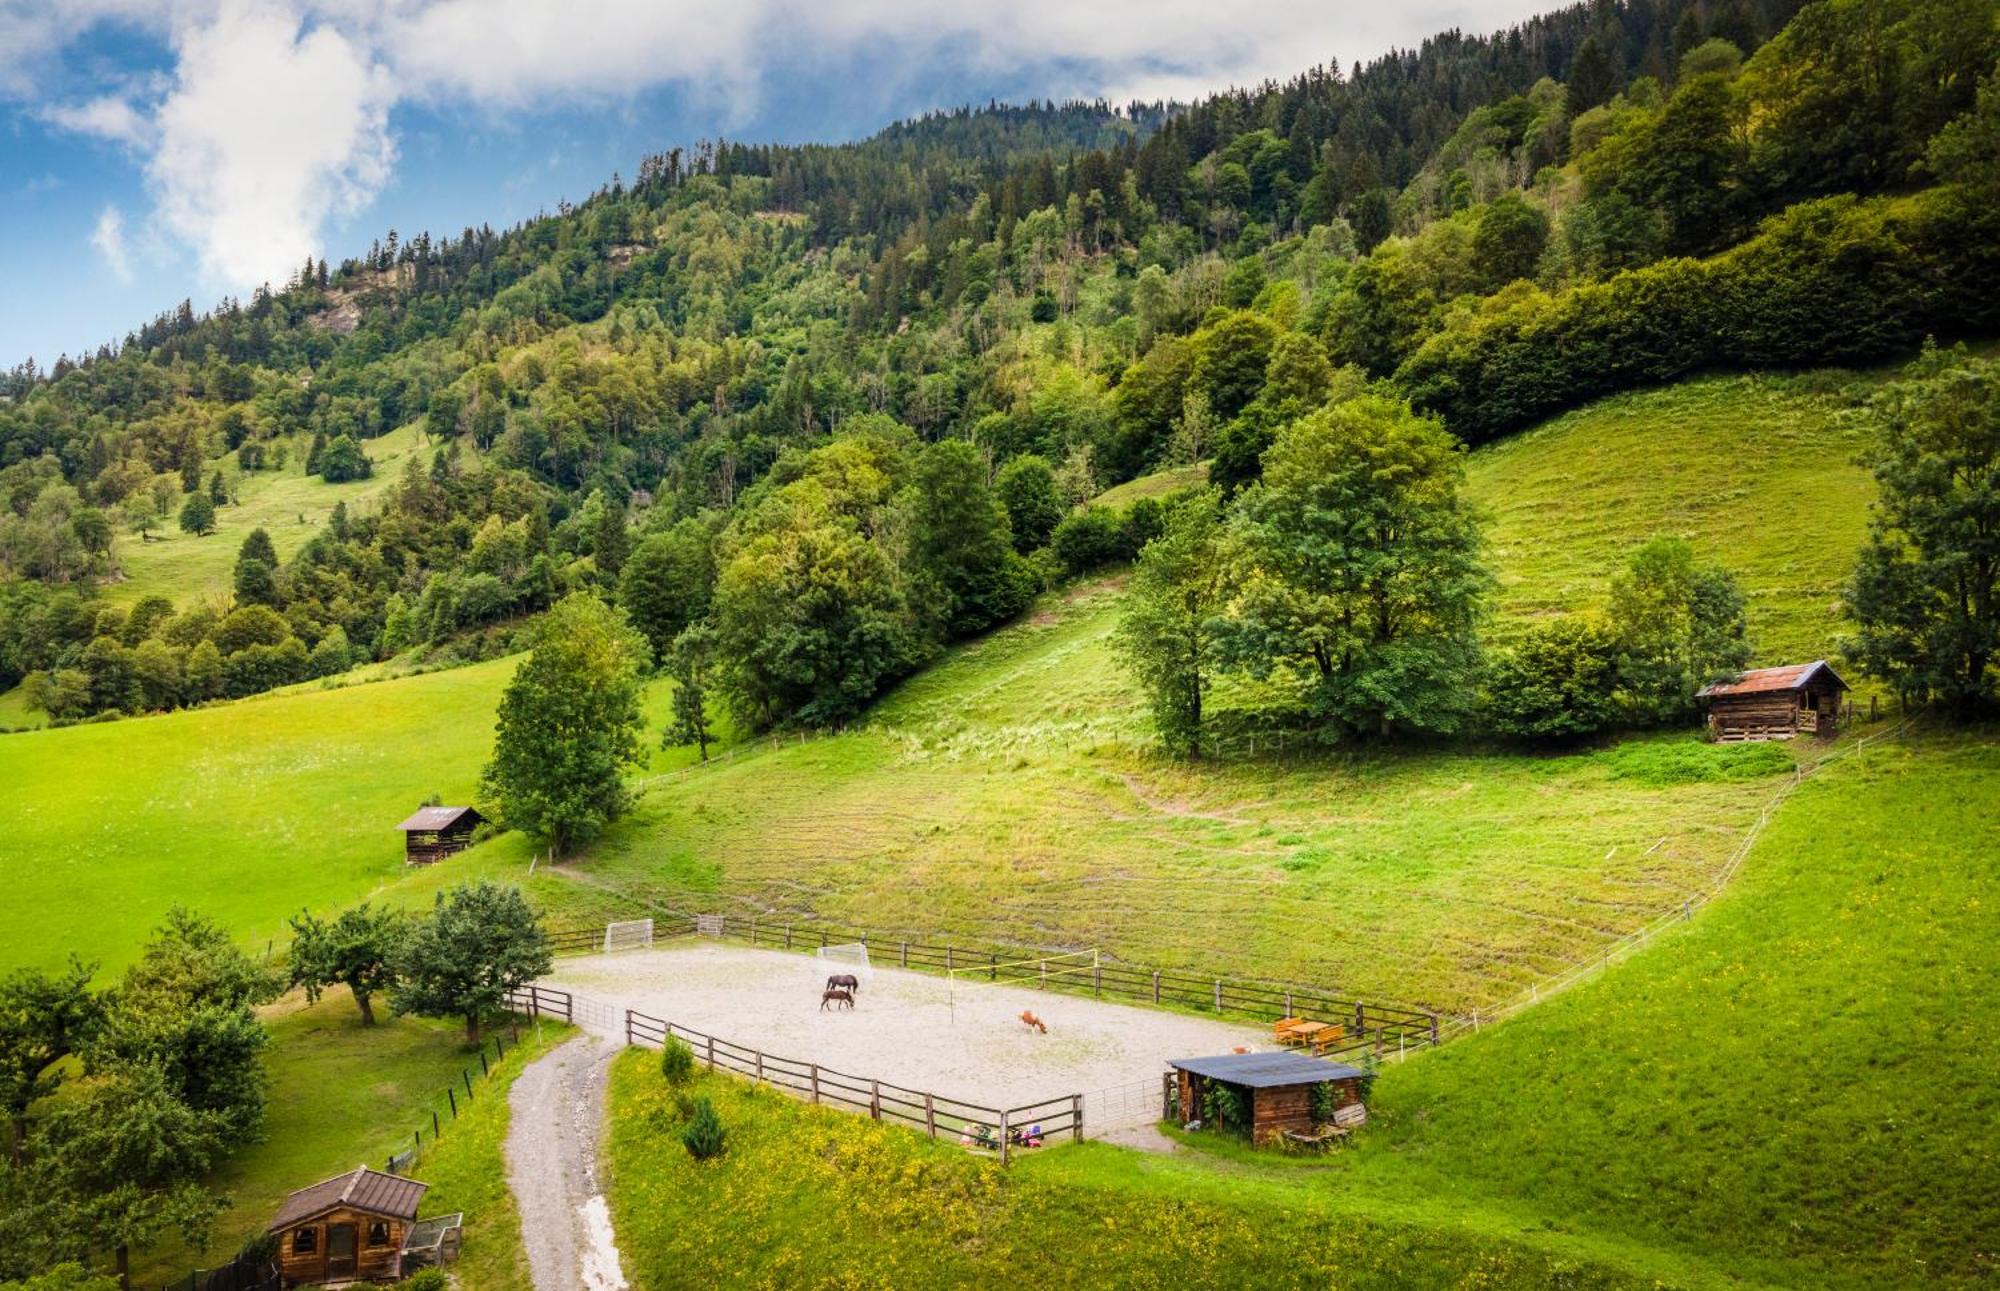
point(246, 811)
point(1793, 1090)
point(340, 1094)
point(288, 504)
point(809, 1197)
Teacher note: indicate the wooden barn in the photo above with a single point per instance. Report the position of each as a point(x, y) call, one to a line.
point(347, 1229)
point(434, 833)
point(1776, 703)
point(1275, 1090)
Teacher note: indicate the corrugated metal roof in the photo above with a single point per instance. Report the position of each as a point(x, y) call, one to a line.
point(1764, 680)
point(362, 1189)
point(1262, 1070)
point(428, 819)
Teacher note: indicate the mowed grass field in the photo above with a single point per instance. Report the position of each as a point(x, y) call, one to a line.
point(288, 504)
point(1792, 1089)
point(245, 811)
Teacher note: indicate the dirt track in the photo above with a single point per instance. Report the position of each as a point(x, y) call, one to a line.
point(557, 1107)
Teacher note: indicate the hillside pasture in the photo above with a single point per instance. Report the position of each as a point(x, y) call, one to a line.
point(286, 503)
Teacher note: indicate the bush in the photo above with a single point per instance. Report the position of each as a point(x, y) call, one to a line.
point(431, 1278)
point(704, 1134)
point(1089, 539)
point(1558, 682)
point(676, 1061)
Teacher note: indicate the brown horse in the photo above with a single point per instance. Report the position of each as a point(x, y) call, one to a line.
point(845, 998)
point(1029, 1019)
point(843, 982)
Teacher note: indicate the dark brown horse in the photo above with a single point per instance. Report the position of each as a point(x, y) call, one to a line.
point(843, 982)
point(827, 997)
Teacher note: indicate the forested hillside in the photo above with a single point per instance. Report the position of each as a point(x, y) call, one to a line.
point(838, 402)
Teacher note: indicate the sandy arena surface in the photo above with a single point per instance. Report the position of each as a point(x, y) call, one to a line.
point(902, 1028)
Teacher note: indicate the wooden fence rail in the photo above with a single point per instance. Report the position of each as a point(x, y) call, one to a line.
point(1373, 1030)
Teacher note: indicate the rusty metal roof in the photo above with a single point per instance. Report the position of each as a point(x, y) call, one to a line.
point(430, 819)
point(1763, 680)
point(363, 1189)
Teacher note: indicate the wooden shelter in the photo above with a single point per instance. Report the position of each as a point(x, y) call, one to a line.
point(1776, 703)
point(1275, 1090)
point(434, 833)
point(347, 1229)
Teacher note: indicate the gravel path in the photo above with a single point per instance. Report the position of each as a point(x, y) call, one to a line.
point(552, 1138)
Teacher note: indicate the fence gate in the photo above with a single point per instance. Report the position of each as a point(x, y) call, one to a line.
point(708, 925)
point(1121, 1107)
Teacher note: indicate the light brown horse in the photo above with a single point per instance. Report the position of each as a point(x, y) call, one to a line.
point(845, 998)
point(1028, 1018)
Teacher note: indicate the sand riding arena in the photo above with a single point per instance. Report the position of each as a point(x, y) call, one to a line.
point(962, 1038)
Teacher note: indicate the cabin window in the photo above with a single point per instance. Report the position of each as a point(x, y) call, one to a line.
point(305, 1241)
point(378, 1234)
point(1812, 701)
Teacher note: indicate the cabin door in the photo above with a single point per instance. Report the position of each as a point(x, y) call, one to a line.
point(340, 1250)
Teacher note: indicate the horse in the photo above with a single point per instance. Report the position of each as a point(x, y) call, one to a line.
point(1028, 1018)
point(843, 982)
point(835, 997)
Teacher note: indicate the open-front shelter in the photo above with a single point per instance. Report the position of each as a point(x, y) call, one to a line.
point(433, 833)
point(349, 1228)
point(1274, 1089)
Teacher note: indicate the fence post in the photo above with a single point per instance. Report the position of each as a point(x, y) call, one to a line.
point(1045, 972)
point(1156, 986)
point(1288, 1004)
point(758, 1083)
point(815, 1080)
point(416, 1144)
point(628, 1028)
point(534, 1002)
point(711, 1053)
point(1097, 979)
point(993, 967)
point(1434, 1028)
point(947, 960)
point(435, 1131)
point(788, 936)
point(454, 1101)
point(875, 1099)
point(1076, 1114)
point(930, 1117)
point(1360, 1021)
point(1003, 1136)
point(906, 954)
point(1218, 995)
point(484, 1070)
point(466, 1076)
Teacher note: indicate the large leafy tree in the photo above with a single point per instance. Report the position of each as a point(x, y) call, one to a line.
point(668, 580)
point(479, 942)
point(569, 724)
point(690, 661)
point(1167, 635)
point(1027, 488)
point(1558, 682)
point(356, 949)
point(964, 572)
point(44, 1018)
point(1680, 625)
point(1925, 596)
point(1359, 571)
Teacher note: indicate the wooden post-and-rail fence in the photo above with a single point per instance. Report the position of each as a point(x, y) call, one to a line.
point(1373, 1031)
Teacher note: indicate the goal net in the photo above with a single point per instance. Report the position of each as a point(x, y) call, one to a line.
point(972, 984)
point(632, 934)
point(848, 957)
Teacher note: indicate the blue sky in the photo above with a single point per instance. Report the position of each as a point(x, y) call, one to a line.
point(152, 150)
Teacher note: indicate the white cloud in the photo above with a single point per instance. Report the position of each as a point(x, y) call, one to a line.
point(109, 239)
point(275, 119)
point(108, 116)
point(270, 130)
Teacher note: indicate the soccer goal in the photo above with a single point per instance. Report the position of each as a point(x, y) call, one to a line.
point(849, 957)
point(1069, 971)
point(632, 934)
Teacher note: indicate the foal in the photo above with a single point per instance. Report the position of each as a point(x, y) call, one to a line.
point(845, 998)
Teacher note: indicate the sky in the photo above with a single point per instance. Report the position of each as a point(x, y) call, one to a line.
point(159, 150)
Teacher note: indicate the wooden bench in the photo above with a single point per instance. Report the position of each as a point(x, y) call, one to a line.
point(1345, 1121)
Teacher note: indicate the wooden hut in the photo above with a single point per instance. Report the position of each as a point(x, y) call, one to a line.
point(347, 1229)
point(1275, 1090)
point(434, 833)
point(1776, 703)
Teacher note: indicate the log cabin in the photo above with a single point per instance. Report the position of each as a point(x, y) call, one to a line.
point(434, 833)
point(1275, 1090)
point(346, 1229)
point(1775, 703)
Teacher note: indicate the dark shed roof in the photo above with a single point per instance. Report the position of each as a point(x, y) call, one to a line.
point(430, 819)
point(1760, 681)
point(363, 1189)
point(1263, 1070)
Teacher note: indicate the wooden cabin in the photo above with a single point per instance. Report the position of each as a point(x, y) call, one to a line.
point(1275, 1089)
point(434, 833)
point(347, 1229)
point(1776, 703)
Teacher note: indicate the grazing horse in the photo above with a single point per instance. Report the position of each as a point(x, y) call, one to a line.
point(835, 997)
point(1028, 1018)
point(843, 982)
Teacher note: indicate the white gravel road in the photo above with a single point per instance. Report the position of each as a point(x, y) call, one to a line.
point(557, 1107)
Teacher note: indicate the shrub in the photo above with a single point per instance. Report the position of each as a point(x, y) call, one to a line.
point(676, 1061)
point(704, 1134)
point(431, 1278)
point(1557, 683)
point(1089, 539)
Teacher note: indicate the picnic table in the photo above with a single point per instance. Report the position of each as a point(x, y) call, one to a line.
point(1316, 1036)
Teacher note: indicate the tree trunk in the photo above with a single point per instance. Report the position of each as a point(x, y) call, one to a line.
point(365, 1003)
point(17, 1133)
point(472, 1028)
point(125, 1266)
